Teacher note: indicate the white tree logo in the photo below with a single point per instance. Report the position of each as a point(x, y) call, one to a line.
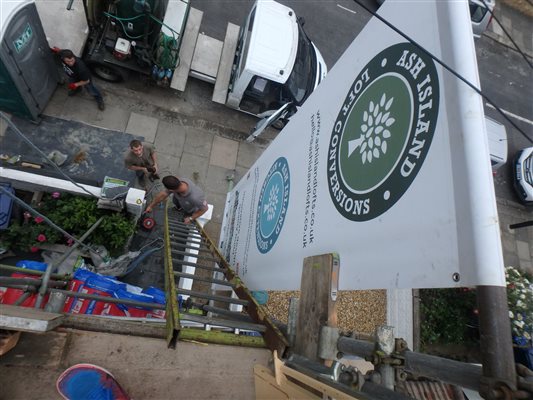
point(374, 131)
point(270, 207)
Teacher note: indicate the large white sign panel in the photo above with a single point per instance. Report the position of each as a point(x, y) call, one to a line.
point(386, 164)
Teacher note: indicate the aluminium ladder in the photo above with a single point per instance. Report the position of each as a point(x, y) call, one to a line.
point(205, 315)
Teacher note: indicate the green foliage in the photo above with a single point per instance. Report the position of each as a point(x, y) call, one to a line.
point(520, 302)
point(447, 316)
point(75, 215)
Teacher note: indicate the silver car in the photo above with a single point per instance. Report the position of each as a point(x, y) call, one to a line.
point(479, 14)
point(523, 175)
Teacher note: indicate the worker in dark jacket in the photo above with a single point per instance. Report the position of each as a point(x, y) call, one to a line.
point(79, 75)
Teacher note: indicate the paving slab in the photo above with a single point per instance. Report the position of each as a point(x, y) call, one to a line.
point(526, 266)
point(240, 173)
point(194, 167)
point(167, 373)
point(248, 153)
point(168, 165)
point(218, 200)
point(169, 139)
point(145, 367)
point(81, 109)
point(142, 125)
point(224, 152)
point(197, 141)
point(113, 118)
point(33, 349)
point(216, 179)
point(213, 229)
point(55, 106)
point(523, 250)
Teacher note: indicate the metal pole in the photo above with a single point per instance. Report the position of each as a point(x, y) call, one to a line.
point(51, 266)
point(230, 179)
point(496, 341)
point(31, 272)
point(22, 298)
point(454, 372)
point(28, 281)
point(155, 306)
point(521, 225)
point(356, 347)
point(385, 345)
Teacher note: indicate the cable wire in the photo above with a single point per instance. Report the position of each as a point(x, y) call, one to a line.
point(44, 156)
point(445, 66)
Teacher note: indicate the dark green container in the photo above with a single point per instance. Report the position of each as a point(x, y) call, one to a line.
point(134, 20)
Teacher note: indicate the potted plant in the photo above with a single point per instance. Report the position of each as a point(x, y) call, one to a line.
point(74, 214)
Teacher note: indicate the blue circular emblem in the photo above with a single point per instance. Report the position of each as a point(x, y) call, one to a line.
point(272, 207)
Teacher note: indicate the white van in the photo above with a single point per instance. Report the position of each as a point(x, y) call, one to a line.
point(276, 64)
point(497, 136)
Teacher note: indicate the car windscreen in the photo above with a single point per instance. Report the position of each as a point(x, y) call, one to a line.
point(477, 12)
point(301, 81)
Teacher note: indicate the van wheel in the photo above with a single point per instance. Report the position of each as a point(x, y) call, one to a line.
point(107, 72)
point(279, 124)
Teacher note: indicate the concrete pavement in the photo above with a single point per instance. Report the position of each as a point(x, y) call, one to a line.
point(144, 367)
point(208, 151)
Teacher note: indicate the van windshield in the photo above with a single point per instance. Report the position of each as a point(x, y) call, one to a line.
point(301, 81)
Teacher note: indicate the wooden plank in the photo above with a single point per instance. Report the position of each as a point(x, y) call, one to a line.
point(266, 387)
point(317, 305)
point(299, 386)
point(28, 319)
point(192, 29)
point(97, 323)
point(220, 93)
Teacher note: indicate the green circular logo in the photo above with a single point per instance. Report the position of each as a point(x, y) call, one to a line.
point(383, 132)
point(273, 205)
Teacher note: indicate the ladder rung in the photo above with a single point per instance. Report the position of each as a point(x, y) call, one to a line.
point(184, 253)
point(214, 297)
point(178, 237)
point(239, 316)
point(184, 233)
point(222, 322)
point(203, 279)
point(183, 226)
point(201, 249)
point(177, 261)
